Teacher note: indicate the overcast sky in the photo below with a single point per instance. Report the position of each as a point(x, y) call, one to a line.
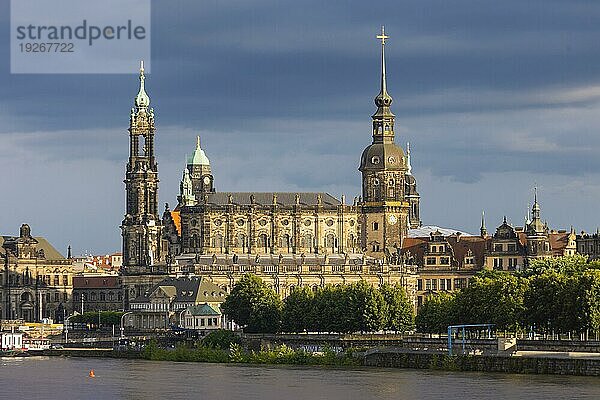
point(494, 96)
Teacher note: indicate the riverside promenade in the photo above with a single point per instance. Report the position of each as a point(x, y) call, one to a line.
point(561, 357)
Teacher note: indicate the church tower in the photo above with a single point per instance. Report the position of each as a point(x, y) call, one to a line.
point(197, 178)
point(389, 190)
point(538, 243)
point(200, 174)
point(141, 227)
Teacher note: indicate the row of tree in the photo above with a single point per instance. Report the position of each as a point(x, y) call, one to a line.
point(356, 307)
point(98, 318)
point(554, 295)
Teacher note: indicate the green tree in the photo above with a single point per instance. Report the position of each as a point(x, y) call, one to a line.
point(564, 303)
point(544, 301)
point(106, 318)
point(253, 305)
point(367, 308)
point(567, 265)
point(329, 311)
point(400, 311)
point(587, 293)
point(494, 298)
point(436, 313)
point(298, 310)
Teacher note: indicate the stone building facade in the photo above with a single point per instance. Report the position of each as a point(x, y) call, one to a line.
point(97, 292)
point(283, 272)
point(447, 262)
point(222, 235)
point(588, 244)
point(209, 222)
point(36, 280)
point(444, 262)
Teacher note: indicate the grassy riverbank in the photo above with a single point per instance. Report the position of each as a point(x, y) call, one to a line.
point(236, 354)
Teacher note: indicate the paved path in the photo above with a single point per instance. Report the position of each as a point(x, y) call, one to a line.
point(558, 354)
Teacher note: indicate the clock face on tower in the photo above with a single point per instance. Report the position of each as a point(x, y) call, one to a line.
point(206, 180)
point(392, 219)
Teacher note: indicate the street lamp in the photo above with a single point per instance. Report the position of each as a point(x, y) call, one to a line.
point(181, 323)
point(66, 326)
point(122, 327)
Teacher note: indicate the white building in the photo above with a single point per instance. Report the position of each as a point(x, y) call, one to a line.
point(11, 341)
point(202, 317)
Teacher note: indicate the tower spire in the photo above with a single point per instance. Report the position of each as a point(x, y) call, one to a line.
point(383, 119)
point(383, 37)
point(383, 99)
point(483, 229)
point(142, 100)
point(408, 166)
point(536, 207)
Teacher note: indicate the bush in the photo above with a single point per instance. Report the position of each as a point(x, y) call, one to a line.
point(220, 339)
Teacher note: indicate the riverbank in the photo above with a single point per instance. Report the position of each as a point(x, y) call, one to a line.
point(382, 358)
point(546, 364)
point(280, 355)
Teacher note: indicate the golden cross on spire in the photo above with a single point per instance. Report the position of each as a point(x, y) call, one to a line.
point(383, 36)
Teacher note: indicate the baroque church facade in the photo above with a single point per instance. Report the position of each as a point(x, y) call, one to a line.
point(288, 238)
point(206, 221)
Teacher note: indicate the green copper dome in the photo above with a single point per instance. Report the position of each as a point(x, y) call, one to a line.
point(198, 157)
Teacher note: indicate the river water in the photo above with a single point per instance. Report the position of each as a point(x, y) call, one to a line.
point(67, 378)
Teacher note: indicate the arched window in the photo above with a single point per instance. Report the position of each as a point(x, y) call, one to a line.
point(330, 241)
point(285, 242)
point(351, 241)
point(263, 242)
point(195, 240)
point(218, 240)
point(307, 241)
point(241, 241)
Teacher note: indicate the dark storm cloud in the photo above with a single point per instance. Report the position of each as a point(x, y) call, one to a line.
point(281, 93)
